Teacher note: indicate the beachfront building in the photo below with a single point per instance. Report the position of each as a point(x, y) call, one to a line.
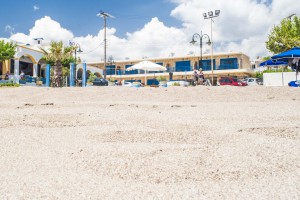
point(28, 60)
point(181, 68)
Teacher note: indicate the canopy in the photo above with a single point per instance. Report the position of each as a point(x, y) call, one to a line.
point(292, 53)
point(147, 66)
point(272, 63)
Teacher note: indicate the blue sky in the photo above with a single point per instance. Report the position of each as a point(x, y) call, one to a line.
point(80, 16)
point(153, 28)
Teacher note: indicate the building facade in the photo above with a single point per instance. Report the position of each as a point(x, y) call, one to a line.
point(181, 68)
point(28, 59)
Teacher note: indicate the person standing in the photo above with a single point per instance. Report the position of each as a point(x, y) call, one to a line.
point(201, 76)
point(22, 74)
point(195, 77)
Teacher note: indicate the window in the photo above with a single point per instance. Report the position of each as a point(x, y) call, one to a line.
point(182, 66)
point(228, 63)
point(206, 64)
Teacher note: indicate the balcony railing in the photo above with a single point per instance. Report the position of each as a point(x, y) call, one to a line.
point(133, 72)
point(171, 69)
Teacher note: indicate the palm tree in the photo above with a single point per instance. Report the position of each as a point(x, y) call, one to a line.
point(55, 56)
point(7, 50)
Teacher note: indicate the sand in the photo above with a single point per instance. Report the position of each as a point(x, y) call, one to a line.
point(150, 143)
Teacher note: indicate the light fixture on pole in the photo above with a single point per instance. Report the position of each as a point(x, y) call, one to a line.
point(77, 49)
point(201, 37)
point(104, 15)
point(210, 15)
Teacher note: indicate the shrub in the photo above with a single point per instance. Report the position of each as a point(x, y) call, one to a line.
point(9, 84)
point(260, 74)
point(91, 78)
point(161, 78)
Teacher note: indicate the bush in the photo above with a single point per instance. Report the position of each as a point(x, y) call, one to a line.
point(176, 84)
point(91, 78)
point(161, 78)
point(9, 84)
point(260, 74)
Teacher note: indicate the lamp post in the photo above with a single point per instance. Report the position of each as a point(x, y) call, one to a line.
point(77, 49)
point(201, 37)
point(210, 15)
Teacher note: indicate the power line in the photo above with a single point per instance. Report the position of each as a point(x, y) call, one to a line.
point(93, 49)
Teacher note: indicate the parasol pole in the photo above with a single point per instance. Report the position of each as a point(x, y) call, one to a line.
point(282, 75)
point(145, 78)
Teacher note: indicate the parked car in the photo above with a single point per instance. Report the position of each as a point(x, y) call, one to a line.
point(127, 84)
point(100, 82)
point(231, 81)
point(253, 81)
point(132, 84)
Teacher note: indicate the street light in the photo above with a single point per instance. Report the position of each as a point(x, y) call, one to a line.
point(77, 49)
point(201, 37)
point(210, 15)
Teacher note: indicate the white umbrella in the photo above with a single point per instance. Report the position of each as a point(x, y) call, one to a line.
point(147, 66)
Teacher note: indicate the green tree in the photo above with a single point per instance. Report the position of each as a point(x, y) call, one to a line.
point(284, 36)
point(7, 50)
point(60, 57)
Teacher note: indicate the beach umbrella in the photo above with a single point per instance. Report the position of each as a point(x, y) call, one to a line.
point(272, 63)
point(147, 66)
point(275, 63)
point(292, 53)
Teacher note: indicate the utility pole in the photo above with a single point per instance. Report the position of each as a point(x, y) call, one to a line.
point(104, 15)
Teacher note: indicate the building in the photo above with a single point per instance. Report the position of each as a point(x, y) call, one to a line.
point(29, 60)
point(181, 68)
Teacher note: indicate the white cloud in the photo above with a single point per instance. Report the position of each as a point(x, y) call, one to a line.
point(35, 7)
point(47, 29)
point(242, 26)
point(10, 29)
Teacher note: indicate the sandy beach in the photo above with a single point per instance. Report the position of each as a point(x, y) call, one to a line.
point(150, 143)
